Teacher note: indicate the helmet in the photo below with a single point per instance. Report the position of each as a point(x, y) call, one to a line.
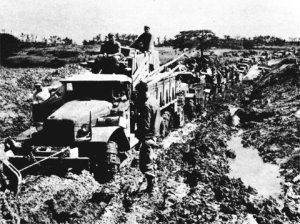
point(142, 86)
point(38, 83)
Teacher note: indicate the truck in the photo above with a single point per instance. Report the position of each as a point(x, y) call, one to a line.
point(89, 121)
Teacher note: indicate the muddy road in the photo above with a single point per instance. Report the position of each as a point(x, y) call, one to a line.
point(193, 185)
point(236, 165)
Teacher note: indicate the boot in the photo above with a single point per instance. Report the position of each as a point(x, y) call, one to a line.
point(150, 183)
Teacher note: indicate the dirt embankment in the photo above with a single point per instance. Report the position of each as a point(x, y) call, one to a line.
point(275, 99)
point(51, 57)
point(272, 128)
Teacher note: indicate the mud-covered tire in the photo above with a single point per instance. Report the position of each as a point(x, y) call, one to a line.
point(106, 168)
point(112, 162)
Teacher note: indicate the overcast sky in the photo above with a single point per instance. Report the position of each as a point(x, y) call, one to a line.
point(83, 19)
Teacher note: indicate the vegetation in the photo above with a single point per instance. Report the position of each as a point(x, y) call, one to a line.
point(8, 46)
point(199, 39)
point(124, 39)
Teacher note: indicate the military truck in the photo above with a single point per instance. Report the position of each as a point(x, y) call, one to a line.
point(89, 121)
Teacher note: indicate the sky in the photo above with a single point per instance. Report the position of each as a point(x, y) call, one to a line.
point(84, 19)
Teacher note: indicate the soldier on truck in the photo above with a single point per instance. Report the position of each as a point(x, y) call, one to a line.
point(41, 93)
point(110, 53)
point(145, 41)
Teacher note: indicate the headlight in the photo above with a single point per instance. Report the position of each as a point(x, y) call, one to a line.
point(83, 131)
point(85, 128)
point(38, 126)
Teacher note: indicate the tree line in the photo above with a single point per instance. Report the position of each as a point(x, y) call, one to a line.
point(28, 40)
point(204, 39)
point(124, 39)
point(199, 39)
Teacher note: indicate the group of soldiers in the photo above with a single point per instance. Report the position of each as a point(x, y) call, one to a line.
point(211, 82)
point(110, 55)
point(221, 79)
point(107, 61)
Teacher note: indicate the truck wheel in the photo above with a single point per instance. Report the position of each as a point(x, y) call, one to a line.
point(112, 162)
point(107, 165)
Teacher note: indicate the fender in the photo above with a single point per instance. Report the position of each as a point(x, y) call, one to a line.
point(105, 134)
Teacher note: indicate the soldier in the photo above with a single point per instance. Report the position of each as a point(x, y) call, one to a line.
point(41, 93)
point(148, 126)
point(111, 47)
point(219, 81)
point(110, 52)
point(145, 41)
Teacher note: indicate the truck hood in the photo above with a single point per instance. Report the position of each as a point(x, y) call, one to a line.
point(79, 111)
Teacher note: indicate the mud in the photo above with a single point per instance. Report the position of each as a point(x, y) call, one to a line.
point(276, 95)
point(192, 184)
point(192, 165)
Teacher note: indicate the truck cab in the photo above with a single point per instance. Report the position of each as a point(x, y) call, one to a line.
point(89, 101)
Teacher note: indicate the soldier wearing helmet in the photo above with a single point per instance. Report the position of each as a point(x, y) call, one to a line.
point(148, 126)
point(111, 47)
point(145, 41)
point(111, 54)
point(41, 93)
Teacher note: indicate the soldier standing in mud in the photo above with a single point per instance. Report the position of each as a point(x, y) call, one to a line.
point(219, 81)
point(148, 126)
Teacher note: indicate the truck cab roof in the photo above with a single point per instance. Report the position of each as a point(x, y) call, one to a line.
point(90, 77)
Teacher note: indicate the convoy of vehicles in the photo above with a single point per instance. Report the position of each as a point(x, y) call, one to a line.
point(89, 121)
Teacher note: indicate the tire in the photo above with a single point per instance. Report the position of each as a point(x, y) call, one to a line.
point(112, 161)
point(107, 165)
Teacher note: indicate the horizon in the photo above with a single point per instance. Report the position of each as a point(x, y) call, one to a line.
point(82, 20)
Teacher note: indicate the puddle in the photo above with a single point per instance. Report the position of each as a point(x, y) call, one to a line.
point(249, 166)
point(235, 118)
point(252, 73)
point(232, 109)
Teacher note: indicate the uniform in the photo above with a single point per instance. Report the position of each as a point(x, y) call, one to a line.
point(148, 127)
point(111, 47)
point(148, 123)
point(108, 64)
point(146, 41)
point(41, 96)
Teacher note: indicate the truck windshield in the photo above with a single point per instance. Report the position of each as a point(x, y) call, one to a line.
point(92, 90)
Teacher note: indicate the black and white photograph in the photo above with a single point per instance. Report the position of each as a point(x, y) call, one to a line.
point(149, 111)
